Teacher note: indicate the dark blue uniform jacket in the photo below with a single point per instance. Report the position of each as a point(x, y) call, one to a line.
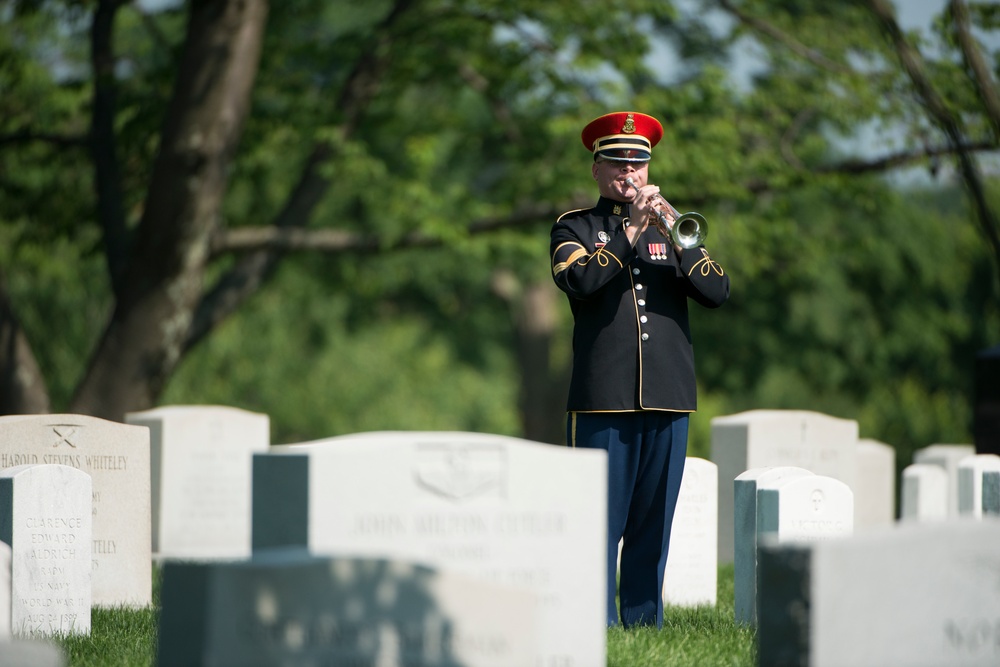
point(631, 338)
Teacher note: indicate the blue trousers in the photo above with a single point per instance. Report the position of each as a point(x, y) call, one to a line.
point(646, 454)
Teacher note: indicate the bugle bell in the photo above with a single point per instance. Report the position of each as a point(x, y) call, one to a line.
point(690, 229)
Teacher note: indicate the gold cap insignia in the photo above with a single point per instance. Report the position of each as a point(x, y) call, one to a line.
point(629, 126)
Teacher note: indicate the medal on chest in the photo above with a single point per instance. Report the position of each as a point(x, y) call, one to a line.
point(658, 251)
point(603, 238)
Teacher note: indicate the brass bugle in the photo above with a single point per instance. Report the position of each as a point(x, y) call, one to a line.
point(690, 229)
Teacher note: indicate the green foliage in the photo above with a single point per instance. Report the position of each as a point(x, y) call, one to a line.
point(322, 364)
point(33, 101)
point(871, 307)
point(62, 294)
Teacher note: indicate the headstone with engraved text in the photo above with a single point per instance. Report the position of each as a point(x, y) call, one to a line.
point(477, 504)
point(116, 456)
point(806, 509)
point(46, 518)
point(921, 594)
point(202, 457)
point(819, 443)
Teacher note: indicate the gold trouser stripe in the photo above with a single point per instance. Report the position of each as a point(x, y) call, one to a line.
point(572, 430)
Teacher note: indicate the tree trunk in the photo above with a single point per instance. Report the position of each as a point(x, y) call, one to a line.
point(142, 344)
point(22, 387)
point(543, 388)
point(103, 142)
point(542, 394)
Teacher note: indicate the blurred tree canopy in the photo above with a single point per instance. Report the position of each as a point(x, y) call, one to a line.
point(338, 214)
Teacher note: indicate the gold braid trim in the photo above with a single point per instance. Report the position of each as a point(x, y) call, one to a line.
point(707, 265)
point(580, 255)
point(602, 257)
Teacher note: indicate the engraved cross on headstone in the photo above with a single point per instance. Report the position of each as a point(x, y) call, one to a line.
point(65, 434)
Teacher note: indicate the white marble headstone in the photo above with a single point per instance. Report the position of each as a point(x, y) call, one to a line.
point(202, 456)
point(510, 511)
point(46, 518)
point(947, 456)
point(116, 456)
point(745, 492)
point(820, 443)
point(290, 608)
point(31, 653)
point(915, 594)
point(691, 575)
point(875, 485)
point(806, 509)
point(970, 482)
point(5, 630)
point(924, 493)
point(991, 493)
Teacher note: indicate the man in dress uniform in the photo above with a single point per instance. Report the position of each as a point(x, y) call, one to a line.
point(633, 382)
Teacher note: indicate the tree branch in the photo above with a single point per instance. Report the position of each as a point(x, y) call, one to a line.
point(980, 71)
point(942, 117)
point(59, 140)
point(780, 36)
point(902, 158)
point(337, 241)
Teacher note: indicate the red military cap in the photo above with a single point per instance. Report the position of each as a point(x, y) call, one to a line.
point(623, 135)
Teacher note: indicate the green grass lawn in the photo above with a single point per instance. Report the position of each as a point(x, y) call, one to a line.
point(700, 637)
point(705, 636)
